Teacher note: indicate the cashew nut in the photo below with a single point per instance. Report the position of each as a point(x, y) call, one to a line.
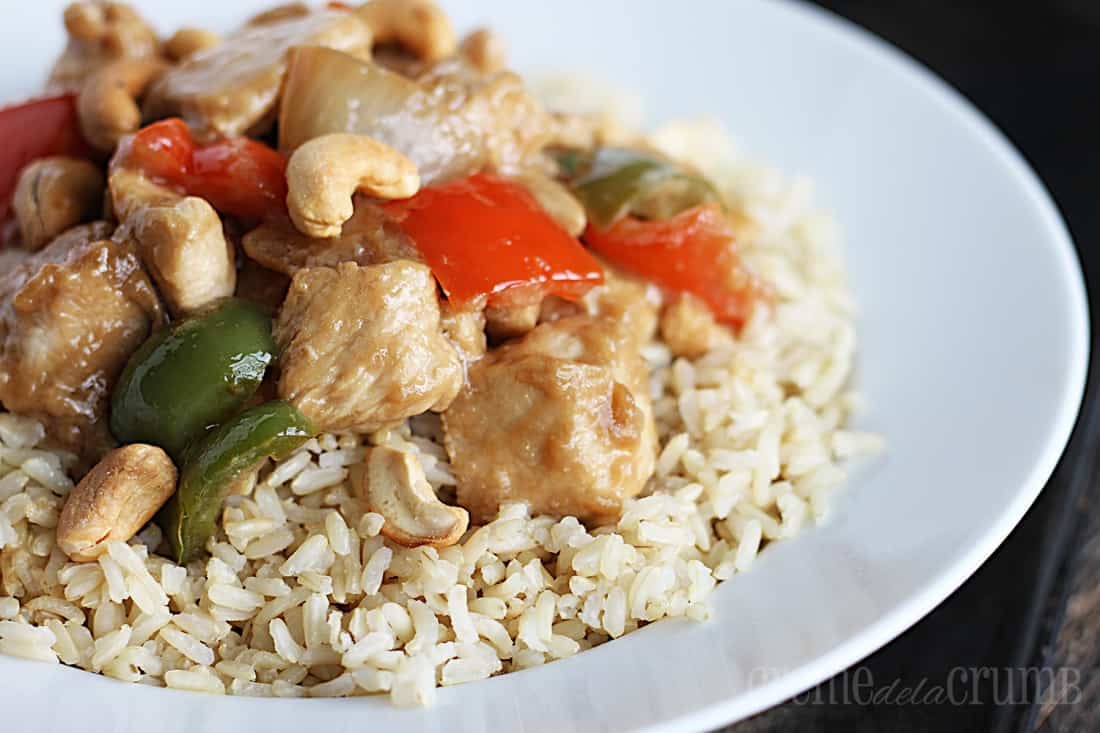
point(419, 25)
point(115, 499)
point(85, 21)
point(189, 41)
point(392, 483)
point(556, 200)
point(324, 173)
point(485, 50)
point(99, 32)
point(107, 105)
point(279, 13)
point(114, 26)
point(55, 194)
point(180, 240)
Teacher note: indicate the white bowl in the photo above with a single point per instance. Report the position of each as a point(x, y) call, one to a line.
point(974, 341)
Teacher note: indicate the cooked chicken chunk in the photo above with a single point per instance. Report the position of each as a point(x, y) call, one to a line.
point(507, 322)
point(689, 327)
point(368, 238)
point(70, 316)
point(511, 126)
point(180, 240)
point(560, 419)
point(465, 327)
point(621, 298)
point(627, 300)
point(261, 285)
point(362, 347)
point(99, 32)
point(233, 87)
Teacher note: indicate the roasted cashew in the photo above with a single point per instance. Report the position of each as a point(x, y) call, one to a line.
point(556, 200)
point(85, 21)
point(108, 107)
point(180, 240)
point(99, 33)
point(115, 27)
point(419, 25)
point(55, 194)
point(115, 499)
point(189, 41)
point(392, 484)
point(279, 13)
point(485, 50)
point(324, 173)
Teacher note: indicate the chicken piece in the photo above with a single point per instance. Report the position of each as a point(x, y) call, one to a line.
point(689, 327)
point(628, 301)
point(512, 126)
point(507, 322)
point(554, 308)
point(70, 316)
point(362, 347)
point(99, 33)
point(232, 88)
point(560, 419)
point(465, 327)
point(180, 240)
point(261, 285)
point(368, 238)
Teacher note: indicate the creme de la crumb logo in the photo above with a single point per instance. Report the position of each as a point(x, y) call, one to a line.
point(1046, 686)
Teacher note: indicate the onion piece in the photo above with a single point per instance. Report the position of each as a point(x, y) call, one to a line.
point(329, 91)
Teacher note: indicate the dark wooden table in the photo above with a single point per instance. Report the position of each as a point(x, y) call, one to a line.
point(1018, 646)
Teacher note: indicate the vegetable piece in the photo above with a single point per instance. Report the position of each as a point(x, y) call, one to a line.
point(327, 91)
point(484, 235)
point(34, 130)
point(620, 181)
point(692, 252)
point(193, 375)
point(239, 176)
point(271, 430)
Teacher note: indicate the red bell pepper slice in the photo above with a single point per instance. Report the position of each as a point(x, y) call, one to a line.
point(692, 252)
point(484, 235)
point(34, 130)
point(240, 176)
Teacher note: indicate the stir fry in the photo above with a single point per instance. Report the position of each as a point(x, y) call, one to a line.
point(332, 220)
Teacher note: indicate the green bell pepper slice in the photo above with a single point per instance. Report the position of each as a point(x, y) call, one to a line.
point(211, 466)
point(614, 182)
point(192, 375)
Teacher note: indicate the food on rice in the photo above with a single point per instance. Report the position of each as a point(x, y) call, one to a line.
point(453, 383)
